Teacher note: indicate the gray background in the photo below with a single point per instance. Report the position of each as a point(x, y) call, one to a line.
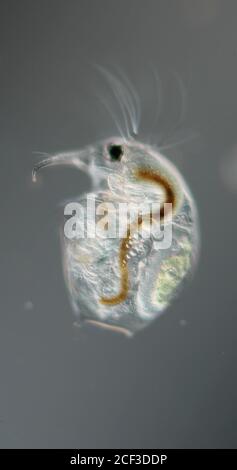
point(174, 384)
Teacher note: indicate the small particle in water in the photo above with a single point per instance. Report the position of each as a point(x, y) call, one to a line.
point(28, 305)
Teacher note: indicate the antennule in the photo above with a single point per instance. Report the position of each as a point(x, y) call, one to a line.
point(71, 158)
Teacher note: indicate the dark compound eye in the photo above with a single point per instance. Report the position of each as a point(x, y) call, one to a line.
point(115, 152)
